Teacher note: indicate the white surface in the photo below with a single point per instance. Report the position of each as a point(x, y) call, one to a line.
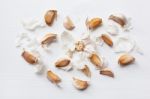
point(17, 79)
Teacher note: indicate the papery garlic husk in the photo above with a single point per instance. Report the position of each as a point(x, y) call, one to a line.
point(50, 16)
point(29, 57)
point(106, 71)
point(107, 39)
point(126, 59)
point(48, 38)
point(80, 84)
point(96, 60)
point(93, 23)
point(86, 70)
point(68, 24)
point(119, 18)
point(112, 30)
point(62, 62)
point(54, 78)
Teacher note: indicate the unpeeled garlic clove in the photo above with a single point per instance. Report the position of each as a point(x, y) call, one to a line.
point(54, 78)
point(93, 23)
point(29, 57)
point(68, 24)
point(107, 72)
point(118, 18)
point(80, 84)
point(126, 59)
point(96, 60)
point(63, 62)
point(86, 71)
point(107, 39)
point(50, 16)
point(48, 38)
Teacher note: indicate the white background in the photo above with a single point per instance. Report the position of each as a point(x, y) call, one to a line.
point(17, 79)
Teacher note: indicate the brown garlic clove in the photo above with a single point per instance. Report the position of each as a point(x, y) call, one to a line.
point(48, 38)
point(50, 16)
point(93, 23)
point(80, 84)
point(63, 62)
point(68, 24)
point(96, 60)
point(107, 39)
point(126, 59)
point(53, 77)
point(107, 72)
point(118, 18)
point(29, 57)
point(86, 71)
point(79, 46)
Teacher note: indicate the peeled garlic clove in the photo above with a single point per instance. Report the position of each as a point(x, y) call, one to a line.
point(63, 62)
point(53, 77)
point(80, 84)
point(29, 57)
point(107, 72)
point(68, 24)
point(96, 60)
point(118, 18)
point(48, 38)
point(50, 16)
point(126, 59)
point(86, 71)
point(93, 23)
point(107, 39)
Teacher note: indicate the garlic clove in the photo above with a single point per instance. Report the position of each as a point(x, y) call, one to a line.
point(107, 72)
point(54, 78)
point(86, 71)
point(107, 39)
point(68, 24)
point(126, 59)
point(29, 57)
point(50, 16)
point(80, 84)
point(62, 62)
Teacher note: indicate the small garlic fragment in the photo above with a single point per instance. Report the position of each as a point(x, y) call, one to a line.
point(68, 24)
point(29, 57)
point(93, 23)
point(62, 62)
point(86, 70)
point(107, 72)
point(126, 59)
point(80, 84)
point(50, 16)
point(48, 38)
point(79, 46)
point(54, 78)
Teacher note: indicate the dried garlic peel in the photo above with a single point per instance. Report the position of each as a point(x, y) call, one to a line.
point(86, 71)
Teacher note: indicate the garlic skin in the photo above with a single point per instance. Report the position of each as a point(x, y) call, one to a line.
point(80, 84)
point(112, 30)
point(86, 70)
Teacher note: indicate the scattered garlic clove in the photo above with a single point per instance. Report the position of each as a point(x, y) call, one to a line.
point(80, 84)
point(107, 72)
point(126, 59)
point(79, 46)
point(63, 62)
point(118, 18)
point(50, 16)
point(68, 24)
point(29, 57)
point(93, 23)
point(86, 71)
point(48, 38)
point(96, 60)
point(107, 39)
point(53, 77)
